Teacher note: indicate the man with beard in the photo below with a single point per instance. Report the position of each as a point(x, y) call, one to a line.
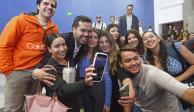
point(75, 41)
point(156, 90)
point(82, 29)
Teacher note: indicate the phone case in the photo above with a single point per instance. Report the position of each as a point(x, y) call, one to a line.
point(94, 61)
point(124, 91)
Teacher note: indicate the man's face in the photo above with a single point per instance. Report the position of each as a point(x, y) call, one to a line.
point(112, 19)
point(130, 61)
point(191, 35)
point(129, 10)
point(98, 19)
point(82, 32)
point(46, 8)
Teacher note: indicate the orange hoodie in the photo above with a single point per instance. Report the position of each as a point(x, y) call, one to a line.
point(22, 43)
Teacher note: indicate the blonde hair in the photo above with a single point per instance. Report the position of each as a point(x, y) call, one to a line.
point(113, 51)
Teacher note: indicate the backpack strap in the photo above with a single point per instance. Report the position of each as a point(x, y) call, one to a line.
point(180, 58)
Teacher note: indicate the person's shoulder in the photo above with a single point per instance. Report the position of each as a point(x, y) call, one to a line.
point(19, 17)
point(19, 20)
point(189, 44)
point(71, 62)
point(67, 35)
point(123, 17)
point(52, 62)
point(151, 71)
point(190, 41)
point(149, 68)
point(26, 16)
point(134, 16)
point(23, 17)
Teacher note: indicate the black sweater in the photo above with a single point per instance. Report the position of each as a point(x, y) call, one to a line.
point(67, 93)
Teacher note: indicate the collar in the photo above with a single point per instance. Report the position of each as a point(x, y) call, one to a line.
point(33, 19)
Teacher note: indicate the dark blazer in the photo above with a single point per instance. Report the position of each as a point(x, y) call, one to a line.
point(123, 24)
point(70, 41)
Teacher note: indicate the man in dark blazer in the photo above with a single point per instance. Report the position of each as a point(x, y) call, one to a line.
point(82, 28)
point(75, 40)
point(128, 21)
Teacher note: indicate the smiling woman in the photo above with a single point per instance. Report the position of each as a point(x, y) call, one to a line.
point(57, 47)
point(66, 92)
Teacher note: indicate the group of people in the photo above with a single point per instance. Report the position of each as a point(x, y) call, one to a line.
point(174, 35)
point(126, 22)
point(31, 41)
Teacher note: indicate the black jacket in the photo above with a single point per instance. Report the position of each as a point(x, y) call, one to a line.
point(67, 93)
point(123, 24)
point(70, 41)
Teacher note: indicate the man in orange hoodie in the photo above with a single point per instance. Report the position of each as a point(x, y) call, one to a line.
point(22, 48)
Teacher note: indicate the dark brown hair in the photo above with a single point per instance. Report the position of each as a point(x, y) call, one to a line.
point(125, 48)
point(163, 58)
point(140, 46)
point(108, 29)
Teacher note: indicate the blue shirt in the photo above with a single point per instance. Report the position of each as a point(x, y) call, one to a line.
point(174, 66)
point(84, 63)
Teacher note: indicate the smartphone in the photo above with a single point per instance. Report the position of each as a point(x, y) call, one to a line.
point(124, 91)
point(99, 63)
point(51, 70)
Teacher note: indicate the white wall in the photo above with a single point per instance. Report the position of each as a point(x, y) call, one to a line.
point(188, 15)
point(166, 11)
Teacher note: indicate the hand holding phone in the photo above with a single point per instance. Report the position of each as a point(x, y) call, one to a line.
point(99, 63)
point(124, 91)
